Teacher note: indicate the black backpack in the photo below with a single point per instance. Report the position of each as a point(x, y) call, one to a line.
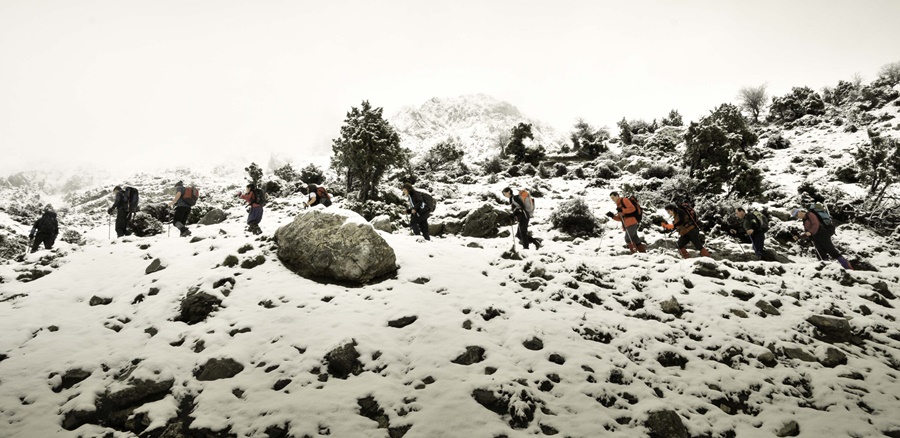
point(824, 218)
point(429, 202)
point(47, 224)
point(132, 199)
point(638, 211)
point(761, 220)
point(322, 197)
point(260, 197)
point(689, 214)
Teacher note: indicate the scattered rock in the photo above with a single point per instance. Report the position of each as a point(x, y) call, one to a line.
point(370, 409)
point(767, 307)
point(742, 295)
point(710, 269)
point(474, 354)
point(402, 322)
point(798, 353)
point(534, 344)
point(671, 307)
point(671, 359)
point(421, 280)
point(768, 359)
point(71, 378)
point(97, 301)
point(666, 424)
point(791, 428)
point(216, 369)
point(155, 266)
point(831, 329)
point(485, 222)
point(212, 217)
point(739, 313)
point(557, 359)
point(196, 239)
point(344, 361)
point(833, 358)
point(474, 245)
point(519, 406)
point(196, 307)
point(320, 245)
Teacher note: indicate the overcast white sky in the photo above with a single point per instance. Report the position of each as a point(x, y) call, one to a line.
point(165, 82)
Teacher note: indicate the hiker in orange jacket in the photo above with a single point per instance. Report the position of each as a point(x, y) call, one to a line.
point(627, 213)
point(687, 229)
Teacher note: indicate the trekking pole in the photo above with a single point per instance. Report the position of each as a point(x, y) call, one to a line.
point(108, 227)
point(512, 229)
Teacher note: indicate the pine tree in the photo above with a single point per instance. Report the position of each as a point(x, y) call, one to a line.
point(673, 119)
point(879, 165)
point(516, 145)
point(716, 150)
point(367, 148)
point(255, 174)
point(625, 131)
point(587, 141)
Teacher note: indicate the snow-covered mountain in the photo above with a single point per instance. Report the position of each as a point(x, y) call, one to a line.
point(478, 123)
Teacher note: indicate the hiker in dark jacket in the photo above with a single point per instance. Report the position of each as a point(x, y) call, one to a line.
point(626, 212)
point(182, 210)
point(820, 237)
point(754, 228)
point(120, 206)
point(44, 230)
point(521, 216)
point(256, 210)
point(418, 211)
point(688, 231)
point(317, 196)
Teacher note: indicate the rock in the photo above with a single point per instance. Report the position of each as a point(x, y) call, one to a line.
point(767, 307)
point(138, 390)
point(666, 424)
point(383, 223)
point(710, 269)
point(337, 247)
point(97, 301)
point(831, 329)
point(742, 295)
point(485, 222)
point(671, 307)
point(214, 216)
point(532, 284)
point(671, 359)
point(196, 307)
point(833, 358)
point(435, 229)
point(768, 359)
point(534, 344)
point(520, 407)
point(474, 245)
point(155, 266)
point(421, 280)
point(402, 322)
point(557, 359)
point(882, 288)
point(739, 313)
point(216, 369)
point(71, 378)
point(344, 361)
point(791, 428)
point(143, 225)
point(196, 239)
point(473, 354)
point(798, 353)
point(453, 227)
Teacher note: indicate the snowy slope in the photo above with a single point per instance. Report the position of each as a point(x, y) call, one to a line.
point(597, 314)
point(477, 122)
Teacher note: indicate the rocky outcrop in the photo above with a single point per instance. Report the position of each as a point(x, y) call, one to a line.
point(214, 216)
point(339, 247)
point(485, 222)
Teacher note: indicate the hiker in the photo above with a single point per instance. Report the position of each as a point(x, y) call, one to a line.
point(688, 230)
point(418, 211)
point(182, 204)
point(45, 230)
point(522, 210)
point(120, 206)
point(628, 213)
point(317, 196)
point(257, 199)
point(755, 224)
point(820, 235)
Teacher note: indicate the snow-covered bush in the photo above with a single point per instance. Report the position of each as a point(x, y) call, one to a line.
point(312, 174)
point(371, 208)
point(286, 173)
point(493, 166)
point(778, 141)
point(72, 237)
point(574, 218)
point(442, 155)
point(606, 170)
point(799, 102)
point(661, 171)
point(717, 148)
point(559, 169)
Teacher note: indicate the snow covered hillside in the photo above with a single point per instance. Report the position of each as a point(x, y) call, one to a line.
point(478, 123)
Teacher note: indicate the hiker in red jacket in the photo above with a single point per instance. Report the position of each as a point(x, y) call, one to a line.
point(627, 213)
point(820, 236)
point(688, 230)
point(256, 199)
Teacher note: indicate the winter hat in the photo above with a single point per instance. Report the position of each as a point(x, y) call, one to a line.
point(179, 184)
point(795, 212)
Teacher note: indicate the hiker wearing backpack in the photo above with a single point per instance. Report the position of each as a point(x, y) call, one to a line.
point(685, 221)
point(418, 210)
point(318, 196)
point(257, 199)
point(755, 224)
point(819, 231)
point(522, 209)
point(185, 198)
point(44, 230)
point(629, 213)
point(120, 206)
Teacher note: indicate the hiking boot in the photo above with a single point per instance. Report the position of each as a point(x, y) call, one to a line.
point(632, 248)
point(642, 248)
point(684, 253)
point(704, 252)
point(185, 232)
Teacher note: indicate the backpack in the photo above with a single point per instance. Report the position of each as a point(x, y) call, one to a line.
point(132, 199)
point(760, 219)
point(429, 202)
point(689, 213)
point(190, 195)
point(260, 197)
point(638, 211)
point(527, 201)
point(322, 196)
point(47, 224)
point(823, 216)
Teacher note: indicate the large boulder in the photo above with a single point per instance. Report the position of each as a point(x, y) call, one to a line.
point(143, 225)
point(338, 245)
point(485, 222)
point(214, 216)
point(383, 223)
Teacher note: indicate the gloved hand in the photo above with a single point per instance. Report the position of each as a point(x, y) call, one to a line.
point(109, 210)
point(408, 211)
point(610, 215)
point(31, 236)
